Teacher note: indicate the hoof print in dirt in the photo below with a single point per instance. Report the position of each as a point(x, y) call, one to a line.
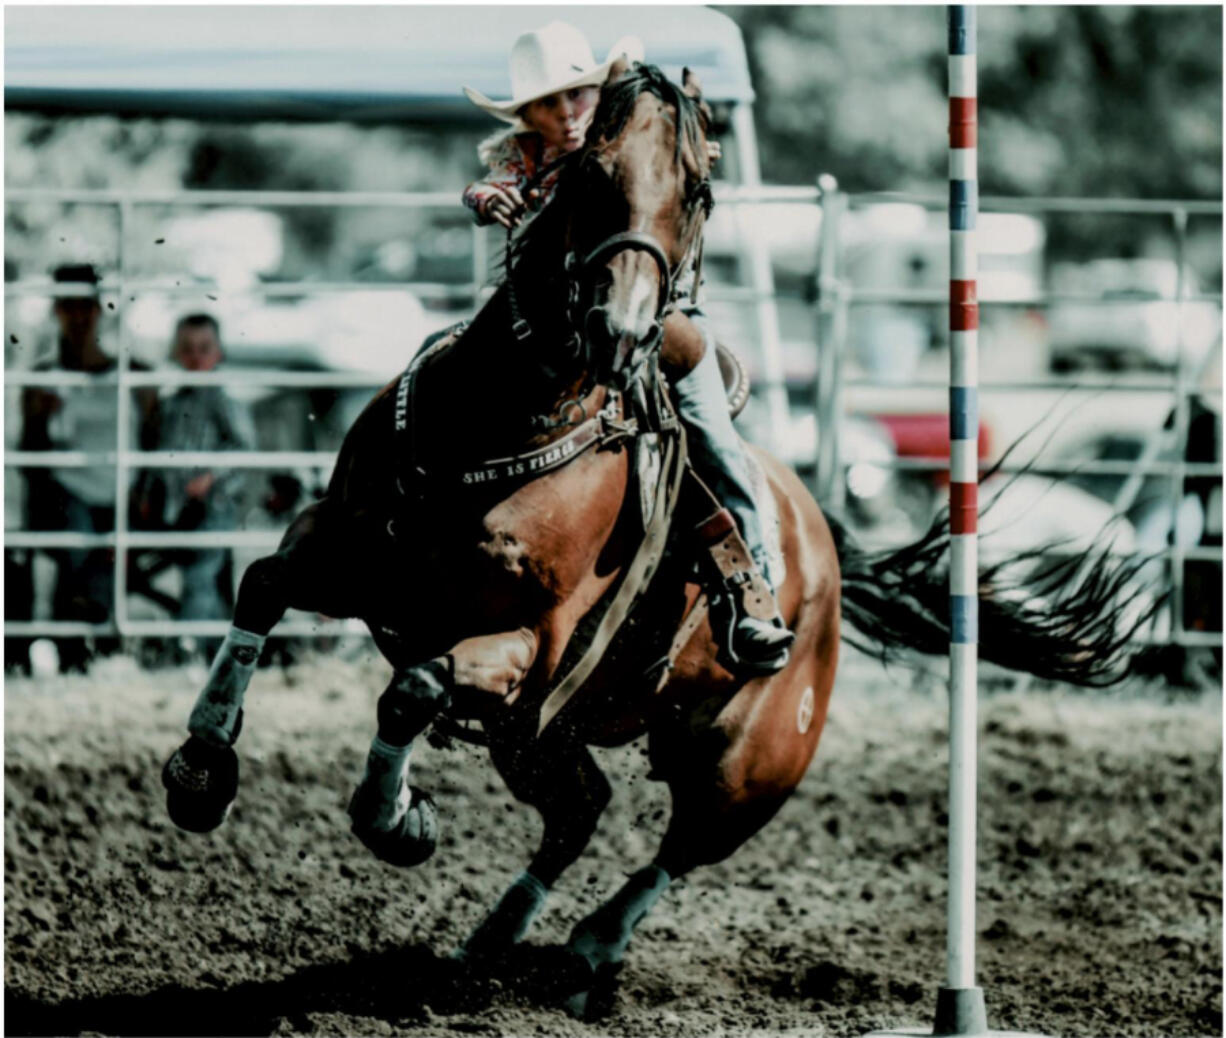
point(486, 960)
point(547, 973)
point(411, 841)
point(201, 783)
point(460, 989)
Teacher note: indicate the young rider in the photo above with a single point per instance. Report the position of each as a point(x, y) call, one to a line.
point(555, 83)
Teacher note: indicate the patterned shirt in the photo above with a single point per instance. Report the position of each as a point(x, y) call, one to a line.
point(203, 418)
point(86, 420)
point(513, 159)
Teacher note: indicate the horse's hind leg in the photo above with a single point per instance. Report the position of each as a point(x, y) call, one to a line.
point(570, 791)
point(729, 769)
point(201, 777)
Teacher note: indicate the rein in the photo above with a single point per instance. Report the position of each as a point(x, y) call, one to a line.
point(520, 328)
point(631, 240)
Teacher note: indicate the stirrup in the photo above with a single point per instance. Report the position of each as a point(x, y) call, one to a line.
point(750, 635)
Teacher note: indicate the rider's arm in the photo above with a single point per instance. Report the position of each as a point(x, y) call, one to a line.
point(478, 195)
point(503, 154)
point(495, 200)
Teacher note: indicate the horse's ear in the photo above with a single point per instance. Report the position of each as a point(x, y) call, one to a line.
point(690, 84)
point(618, 69)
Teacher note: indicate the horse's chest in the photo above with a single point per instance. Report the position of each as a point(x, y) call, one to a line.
point(542, 544)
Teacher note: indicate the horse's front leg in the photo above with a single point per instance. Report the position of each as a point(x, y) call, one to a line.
point(567, 787)
point(306, 572)
point(395, 819)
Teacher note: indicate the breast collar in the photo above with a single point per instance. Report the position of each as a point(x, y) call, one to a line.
point(606, 428)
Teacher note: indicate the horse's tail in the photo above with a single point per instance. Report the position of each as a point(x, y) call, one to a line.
point(1070, 620)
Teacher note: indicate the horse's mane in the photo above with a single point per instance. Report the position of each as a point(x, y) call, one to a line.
point(617, 101)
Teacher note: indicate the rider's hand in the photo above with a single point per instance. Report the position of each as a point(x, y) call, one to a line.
point(506, 206)
point(714, 151)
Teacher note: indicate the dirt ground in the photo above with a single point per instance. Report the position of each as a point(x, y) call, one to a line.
point(1099, 893)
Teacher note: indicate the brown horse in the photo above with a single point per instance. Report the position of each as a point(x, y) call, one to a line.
point(485, 570)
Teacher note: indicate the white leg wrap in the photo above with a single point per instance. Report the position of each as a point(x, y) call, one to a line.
point(215, 715)
point(387, 779)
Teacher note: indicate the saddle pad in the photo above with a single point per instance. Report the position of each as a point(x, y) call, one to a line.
point(769, 512)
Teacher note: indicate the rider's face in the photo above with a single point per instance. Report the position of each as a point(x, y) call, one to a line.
point(562, 119)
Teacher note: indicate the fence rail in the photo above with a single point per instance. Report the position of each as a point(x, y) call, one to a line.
point(170, 459)
point(833, 297)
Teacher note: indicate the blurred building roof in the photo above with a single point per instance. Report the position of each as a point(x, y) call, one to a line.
point(320, 63)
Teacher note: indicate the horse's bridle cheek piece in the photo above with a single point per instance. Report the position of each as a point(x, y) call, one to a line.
point(625, 241)
point(581, 276)
point(579, 272)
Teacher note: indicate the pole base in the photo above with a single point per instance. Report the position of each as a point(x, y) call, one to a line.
point(960, 1014)
point(960, 1011)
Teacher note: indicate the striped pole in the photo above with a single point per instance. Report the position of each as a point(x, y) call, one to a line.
point(960, 1006)
point(963, 494)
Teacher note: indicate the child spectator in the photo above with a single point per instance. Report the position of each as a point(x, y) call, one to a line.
point(202, 418)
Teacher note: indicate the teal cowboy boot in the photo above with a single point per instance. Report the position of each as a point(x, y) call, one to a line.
point(745, 618)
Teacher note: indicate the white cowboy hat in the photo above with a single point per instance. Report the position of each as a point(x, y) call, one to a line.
point(551, 59)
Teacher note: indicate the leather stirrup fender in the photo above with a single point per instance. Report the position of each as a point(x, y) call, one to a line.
point(731, 560)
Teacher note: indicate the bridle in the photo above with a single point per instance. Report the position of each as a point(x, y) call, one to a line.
point(580, 272)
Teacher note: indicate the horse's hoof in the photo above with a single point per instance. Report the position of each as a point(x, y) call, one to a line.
point(411, 841)
point(596, 1001)
point(201, 783)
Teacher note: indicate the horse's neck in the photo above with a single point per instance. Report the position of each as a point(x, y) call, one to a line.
point(488, 386)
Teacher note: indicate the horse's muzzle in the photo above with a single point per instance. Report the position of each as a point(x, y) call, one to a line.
point(621, 350)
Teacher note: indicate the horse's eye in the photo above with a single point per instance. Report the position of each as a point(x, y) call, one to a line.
point(595, 172)
point(604, 205)
point(698, 193)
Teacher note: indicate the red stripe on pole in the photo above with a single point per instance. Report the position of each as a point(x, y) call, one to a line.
point(963, 306)
point(963, 118)
point(963, 507)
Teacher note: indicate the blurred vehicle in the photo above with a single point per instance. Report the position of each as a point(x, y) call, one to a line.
point(1190, 517)
point(883, 247)
point(872, 488)
point(1133, 319)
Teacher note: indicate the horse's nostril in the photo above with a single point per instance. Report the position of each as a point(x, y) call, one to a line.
point(600, 330)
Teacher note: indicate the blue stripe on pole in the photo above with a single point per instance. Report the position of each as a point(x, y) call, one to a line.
point(963, 413)
point(964, 619)
point(963, 204)
point(961, 29)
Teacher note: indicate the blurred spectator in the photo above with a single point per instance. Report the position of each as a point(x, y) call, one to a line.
point(1202, 607)
point(79, 499)
point(202, 418)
